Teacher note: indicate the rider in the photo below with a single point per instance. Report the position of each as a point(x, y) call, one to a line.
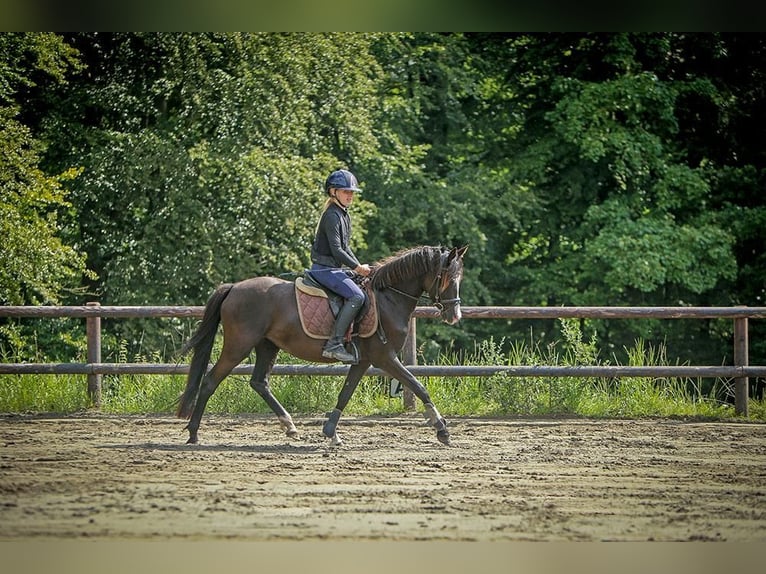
point(330, 252)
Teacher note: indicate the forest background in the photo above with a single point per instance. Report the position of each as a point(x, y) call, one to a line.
point(581, 169)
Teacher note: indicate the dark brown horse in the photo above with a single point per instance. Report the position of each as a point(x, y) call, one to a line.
point(262, 314)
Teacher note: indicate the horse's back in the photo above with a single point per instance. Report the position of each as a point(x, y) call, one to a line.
point(260, 284)
point(257, 296)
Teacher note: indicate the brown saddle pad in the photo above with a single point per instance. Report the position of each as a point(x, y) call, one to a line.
point(317, 318)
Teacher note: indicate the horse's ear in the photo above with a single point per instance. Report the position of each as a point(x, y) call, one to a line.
point(456, 253)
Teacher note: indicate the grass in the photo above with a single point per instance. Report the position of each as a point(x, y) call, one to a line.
point(498, 395)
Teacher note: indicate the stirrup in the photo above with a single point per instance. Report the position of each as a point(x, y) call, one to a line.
point(339, 353)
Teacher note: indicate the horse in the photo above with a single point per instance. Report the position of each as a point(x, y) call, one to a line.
point(261, 313)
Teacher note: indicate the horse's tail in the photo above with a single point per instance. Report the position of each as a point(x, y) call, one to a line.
point(201, 344)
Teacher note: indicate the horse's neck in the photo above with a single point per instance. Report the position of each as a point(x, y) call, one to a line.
point(407, 303)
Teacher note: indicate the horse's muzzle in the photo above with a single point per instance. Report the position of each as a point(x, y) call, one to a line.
point(449, 310)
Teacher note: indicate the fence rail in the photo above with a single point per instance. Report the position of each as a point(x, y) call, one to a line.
point(422, 370)
point(488, 312)
point(94, 368)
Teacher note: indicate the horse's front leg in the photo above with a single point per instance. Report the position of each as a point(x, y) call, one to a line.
point(352, 380)
point(438, 422)
point(397, 370)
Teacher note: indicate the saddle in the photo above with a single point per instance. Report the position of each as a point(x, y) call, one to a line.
point(318, 307)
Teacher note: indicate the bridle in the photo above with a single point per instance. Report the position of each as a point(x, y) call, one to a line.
point(436, 299)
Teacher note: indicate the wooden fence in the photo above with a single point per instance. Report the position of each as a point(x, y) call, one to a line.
point(740, 371)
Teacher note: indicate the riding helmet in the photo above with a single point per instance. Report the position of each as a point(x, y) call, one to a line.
point(341, 179)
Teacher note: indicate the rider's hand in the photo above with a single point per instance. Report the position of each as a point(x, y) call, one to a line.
point(363, 269)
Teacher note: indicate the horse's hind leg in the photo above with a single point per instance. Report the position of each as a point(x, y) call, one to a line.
point(265, 356)
point(226, 362)
point(209, 384)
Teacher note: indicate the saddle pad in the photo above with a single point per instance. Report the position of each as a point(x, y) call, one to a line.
point(317, 319)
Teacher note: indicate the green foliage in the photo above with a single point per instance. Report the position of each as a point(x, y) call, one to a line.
point(650, 251)
point(582, 169)
point(36, 266)
point(594, 397)
point(226, 171)
point(206, 165)
point(601, 134)
point(639, 397)
point(43, 393)
point(137, 394)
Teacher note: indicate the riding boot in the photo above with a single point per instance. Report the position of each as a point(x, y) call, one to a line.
point(334, 348)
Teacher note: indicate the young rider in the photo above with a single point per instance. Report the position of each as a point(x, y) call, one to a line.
point(331, 254)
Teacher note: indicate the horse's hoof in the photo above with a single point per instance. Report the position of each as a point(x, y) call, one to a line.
point(443, 437)
point(192, 440)
point(286, 422)
point(328, 429)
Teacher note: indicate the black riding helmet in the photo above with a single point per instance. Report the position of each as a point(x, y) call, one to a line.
point(341, 179)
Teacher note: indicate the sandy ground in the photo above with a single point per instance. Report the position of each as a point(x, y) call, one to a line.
point(132, 478)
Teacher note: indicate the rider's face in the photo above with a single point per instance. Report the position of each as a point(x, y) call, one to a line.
point(344, 196)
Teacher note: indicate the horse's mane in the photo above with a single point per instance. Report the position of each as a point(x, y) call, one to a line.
point(405, 264)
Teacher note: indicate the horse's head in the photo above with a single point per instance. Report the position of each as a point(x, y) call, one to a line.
point(436, 271)
point(445, 289)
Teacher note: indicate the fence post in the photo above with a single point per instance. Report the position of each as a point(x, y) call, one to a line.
point(409, 357)
point(93, 335)
point(741, 359)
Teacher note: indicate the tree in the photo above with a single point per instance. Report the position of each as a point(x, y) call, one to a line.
point(609, 145)
point(36, 265)
point(582, 169)
point(206, 164)
point(203, 155)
